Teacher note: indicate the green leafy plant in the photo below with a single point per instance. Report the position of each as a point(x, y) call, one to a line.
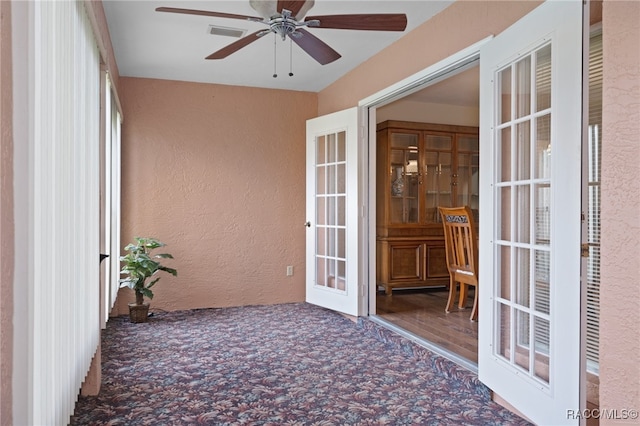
point(139, 264)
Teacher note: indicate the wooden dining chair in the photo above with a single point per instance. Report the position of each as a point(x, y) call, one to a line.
point(461, 247)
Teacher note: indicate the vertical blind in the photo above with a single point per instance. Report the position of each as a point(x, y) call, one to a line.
point(541, 290)
point(64, 214)
point(593, 219)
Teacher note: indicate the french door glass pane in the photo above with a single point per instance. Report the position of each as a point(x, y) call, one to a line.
point(543, 78)
point(330, 211)
point(341, 179)
point(341, 150)
point(541, 336)
point(522, 355)
point(320, 270)
point(505, 213)
point(504, 263)
point(332, 146)
point(523, 201)
point(331, 178)
point(321, 212)
point(541, 279)
point(522, 213)
point(522, 276)
point(505, 95)
point(543, 147)
point(331, 242)
point(523, 150)
point(321, 181)
point(505, 151)
point(321, 151)
point(341, 211)
point(542, 204)
point(522, 82)
point(504, 331)
point(321, 241)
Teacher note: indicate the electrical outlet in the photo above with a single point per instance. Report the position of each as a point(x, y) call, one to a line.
point(289, 271)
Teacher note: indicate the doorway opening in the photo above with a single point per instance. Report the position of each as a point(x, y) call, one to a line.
point(427, 157)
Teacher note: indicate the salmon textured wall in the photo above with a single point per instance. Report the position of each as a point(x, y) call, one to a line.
point(620, 243)
point(7, 235)
point(218, 174)
point(455, 28)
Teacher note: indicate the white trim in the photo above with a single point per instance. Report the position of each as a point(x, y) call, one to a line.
point(428, 76)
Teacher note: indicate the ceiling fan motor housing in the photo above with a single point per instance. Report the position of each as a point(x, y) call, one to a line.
point(285, 25)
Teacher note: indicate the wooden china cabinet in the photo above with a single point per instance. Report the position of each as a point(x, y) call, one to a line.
point(420, 166)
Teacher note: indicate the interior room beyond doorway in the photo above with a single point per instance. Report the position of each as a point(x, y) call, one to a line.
point(427, 156)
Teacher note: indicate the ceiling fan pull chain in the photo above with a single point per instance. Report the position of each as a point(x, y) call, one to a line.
point(275, 40)
point(290, 57)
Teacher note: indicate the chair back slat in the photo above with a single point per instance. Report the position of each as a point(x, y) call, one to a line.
point(460, 240)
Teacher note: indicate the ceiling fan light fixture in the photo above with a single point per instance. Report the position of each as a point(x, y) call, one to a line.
point(226, 31)
point(286, 18)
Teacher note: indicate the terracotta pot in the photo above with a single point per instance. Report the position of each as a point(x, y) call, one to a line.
point(138, 313)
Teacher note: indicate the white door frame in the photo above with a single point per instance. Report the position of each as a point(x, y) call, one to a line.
point(367, 111)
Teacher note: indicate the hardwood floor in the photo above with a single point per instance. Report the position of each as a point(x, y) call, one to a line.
point(421, 312)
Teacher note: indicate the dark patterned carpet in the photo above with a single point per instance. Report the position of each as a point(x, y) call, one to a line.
point(291, 364)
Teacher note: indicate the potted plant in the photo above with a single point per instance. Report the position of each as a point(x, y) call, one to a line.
point(139, 264)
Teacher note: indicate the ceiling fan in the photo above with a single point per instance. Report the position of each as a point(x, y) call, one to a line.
point(287, 18)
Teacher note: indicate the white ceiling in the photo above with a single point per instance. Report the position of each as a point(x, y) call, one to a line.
point(173, 46)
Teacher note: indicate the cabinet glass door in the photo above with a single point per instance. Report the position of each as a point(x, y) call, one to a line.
point(404, 178)
point(467, 172)
point(437, 175)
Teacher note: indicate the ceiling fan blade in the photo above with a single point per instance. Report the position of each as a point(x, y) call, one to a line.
point(371, 22)
point(207, 13)
point(293, 5)
point(266, 8)
point(316, 48)
point(235, 46)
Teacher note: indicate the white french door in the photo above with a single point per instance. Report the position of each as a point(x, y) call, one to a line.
point(332, 212)
point(530, 228)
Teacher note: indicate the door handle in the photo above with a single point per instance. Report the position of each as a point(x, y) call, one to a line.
point(307, 224)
